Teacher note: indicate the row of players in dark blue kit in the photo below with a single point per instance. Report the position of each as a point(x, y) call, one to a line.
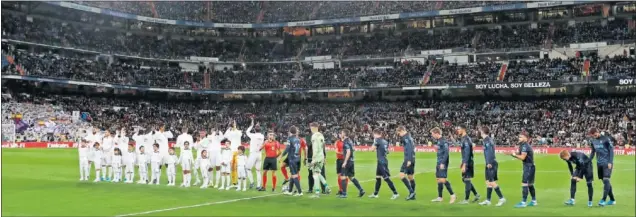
point(601, 147)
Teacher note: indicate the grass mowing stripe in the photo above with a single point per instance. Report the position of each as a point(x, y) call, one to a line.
point(44, 183)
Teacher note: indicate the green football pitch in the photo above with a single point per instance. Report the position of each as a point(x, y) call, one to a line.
point(44, 182)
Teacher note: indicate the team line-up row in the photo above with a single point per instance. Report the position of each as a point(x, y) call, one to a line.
point(219, 153)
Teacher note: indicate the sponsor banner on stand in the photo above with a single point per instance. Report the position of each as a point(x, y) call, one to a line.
point(339, 95)
point(50, 144)
point(500, 150)
point(626, 85)
point(204, 59)
point(38, 145)
point(206, 111)
point(62, 144)
point(516, 85)
point(621, 82)
point(362, 148)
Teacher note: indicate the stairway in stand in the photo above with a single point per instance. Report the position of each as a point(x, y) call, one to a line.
point(548, 41)
point(299, 72)
point(429, 71)
point(242, 52)
point(502, 71)
point(154, 9)
point(315, 11)
point(301, 50)
point(475, 40)
point(261, 13)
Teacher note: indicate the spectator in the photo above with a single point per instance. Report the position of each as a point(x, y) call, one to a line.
point(545, 118)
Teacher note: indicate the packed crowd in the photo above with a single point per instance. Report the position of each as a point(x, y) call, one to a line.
point(615, 68)
point(253, 11)
point(511, 37)
point(290, 76)
point(42, 122)
point(445, 39)
point(119, 42)
point(616, 30)
point(279, 77)
point(110, 40)
point(545, 70)
point(547, 119)
point(457, 74)
point(51, 65)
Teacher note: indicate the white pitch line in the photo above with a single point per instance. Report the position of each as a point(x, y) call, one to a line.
point(219, 202)
point(224, 201)
point(196, 205)
point(553, 171)
point(245, 198)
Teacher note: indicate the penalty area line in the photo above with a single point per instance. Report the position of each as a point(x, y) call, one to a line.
point(197, 205)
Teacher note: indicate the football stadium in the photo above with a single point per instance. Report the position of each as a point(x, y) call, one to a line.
point(318, 108)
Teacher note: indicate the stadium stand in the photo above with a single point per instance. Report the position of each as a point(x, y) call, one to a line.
point(376, 73)
point(147, 44)
point(56, 66)
point(549, 120)
point(250, 11)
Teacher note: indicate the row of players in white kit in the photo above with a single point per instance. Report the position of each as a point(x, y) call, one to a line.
point(152, 148)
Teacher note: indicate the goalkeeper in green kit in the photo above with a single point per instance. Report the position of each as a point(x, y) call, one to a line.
point(317, 159)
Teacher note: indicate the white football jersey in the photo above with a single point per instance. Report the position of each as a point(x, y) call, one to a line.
point(226, 156)
point(84, 153)
point(256, 141)
point(142, 159)
point(235, 138)
point(204, 163)
point(156, 157)
point(241, 161)
point(172, 159)
point(186, 156)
